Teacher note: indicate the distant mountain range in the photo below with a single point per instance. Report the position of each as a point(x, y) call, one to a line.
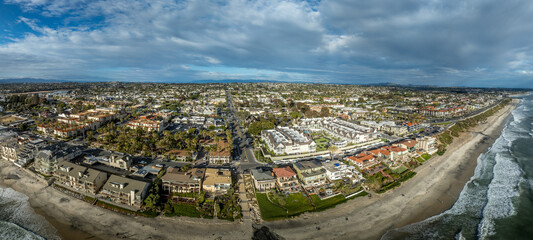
point(30, 80)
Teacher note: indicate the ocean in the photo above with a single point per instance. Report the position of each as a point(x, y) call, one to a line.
point(19, 221)
point(497, 202)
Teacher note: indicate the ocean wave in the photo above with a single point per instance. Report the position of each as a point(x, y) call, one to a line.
point(13, 231)
point(15, 209)
point(503, 188)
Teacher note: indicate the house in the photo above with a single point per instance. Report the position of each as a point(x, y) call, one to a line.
point(263, 179)
point(363, 160)
point(219, 157)
point(336, 170)
point(217, 181)
point(286, 180)
point(120, 161)
point(410, 145)
point(175, 181)
point(397, 153)
point(46, 160)
point(311, 173)
point(125, 191)
point(79, 178)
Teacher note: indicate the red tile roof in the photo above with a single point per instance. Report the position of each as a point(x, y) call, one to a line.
point(284, 172)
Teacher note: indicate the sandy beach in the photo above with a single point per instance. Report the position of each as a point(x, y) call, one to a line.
point(434, 189)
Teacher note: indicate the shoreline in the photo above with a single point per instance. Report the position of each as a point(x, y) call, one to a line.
point(433, 190)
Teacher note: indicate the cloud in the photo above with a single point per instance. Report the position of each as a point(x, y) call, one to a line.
point(412, 41)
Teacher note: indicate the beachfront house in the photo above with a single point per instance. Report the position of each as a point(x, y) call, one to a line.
point(46, 160)
point(175, 181)
point(79, 178)
point(124, 191)
point(263, 179)
point(217, 181)
point(410, 145)
point(363, 160)
point(336, 170)
point(311, 173)
point(286, 180)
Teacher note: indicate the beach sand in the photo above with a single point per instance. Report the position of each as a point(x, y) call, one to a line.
point(434, 189)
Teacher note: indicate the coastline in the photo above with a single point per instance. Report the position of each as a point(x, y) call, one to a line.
point(76, 219)
point(434, 189)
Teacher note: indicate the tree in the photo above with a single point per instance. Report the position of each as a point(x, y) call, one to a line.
point(332, 149)
point(258, 126)
point(153, 200)
point(324, 112)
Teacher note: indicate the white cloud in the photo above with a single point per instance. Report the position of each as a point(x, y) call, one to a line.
point(338, 39)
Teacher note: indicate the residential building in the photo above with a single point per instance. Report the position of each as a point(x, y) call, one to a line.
point(217, 181)
point(175, 181)
point(363, 160)
point(311, 173)
point(286, 180)
point(125, 191)
point(344, 130)
point(263, 179)
point(120, 161)
point(10, 149)
point(79, 178)
point(286, 140)
point(219, 157)
point(46, 160)
point(148, 123)
point(222, 155)
point(428, 144)
point(410, 145)
point(336, 170)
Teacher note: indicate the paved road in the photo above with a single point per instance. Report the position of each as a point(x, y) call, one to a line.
point(243, 152)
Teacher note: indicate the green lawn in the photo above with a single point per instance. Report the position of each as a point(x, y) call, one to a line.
point(426, 156)
point(399, 170)
point(269, 211)
point(331, 202)
point(297, 203)
point(188, 210)
point(321, 144)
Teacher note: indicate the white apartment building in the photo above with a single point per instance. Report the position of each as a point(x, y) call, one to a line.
point(347, 131)
point(287, 140)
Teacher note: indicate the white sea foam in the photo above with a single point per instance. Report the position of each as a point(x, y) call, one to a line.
point(15, 209)
point(12, 231)
point(488, 195)
point(502, 190)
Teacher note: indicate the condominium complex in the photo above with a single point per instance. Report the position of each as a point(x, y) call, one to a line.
point(287, 140)
point(338, 128)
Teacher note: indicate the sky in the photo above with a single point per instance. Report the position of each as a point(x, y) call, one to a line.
point(478, 43)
